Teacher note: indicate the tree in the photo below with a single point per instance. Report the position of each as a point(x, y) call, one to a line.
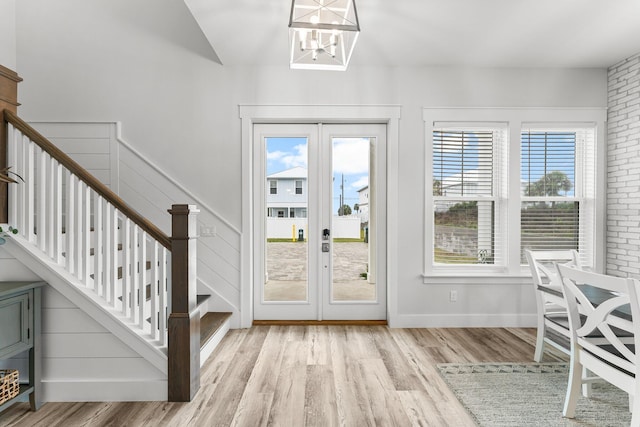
point(344, 210)
point(550, 185)
point(437, 187)
point(356, 208)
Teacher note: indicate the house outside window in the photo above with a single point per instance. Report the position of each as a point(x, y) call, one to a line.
point(273, 186)
point(505, 180)
point(298, 186)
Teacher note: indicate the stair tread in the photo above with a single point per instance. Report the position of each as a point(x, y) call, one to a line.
point(209, 325)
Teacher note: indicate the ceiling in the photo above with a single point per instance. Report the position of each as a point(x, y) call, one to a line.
point(482, 33)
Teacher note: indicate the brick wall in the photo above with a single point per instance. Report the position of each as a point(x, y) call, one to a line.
point(623, 169)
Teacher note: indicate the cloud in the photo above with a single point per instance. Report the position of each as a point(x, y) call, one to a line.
point(351, 156)
point(296, 157)
point(361, 182)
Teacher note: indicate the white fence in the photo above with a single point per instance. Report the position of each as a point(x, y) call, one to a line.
point(345, 227)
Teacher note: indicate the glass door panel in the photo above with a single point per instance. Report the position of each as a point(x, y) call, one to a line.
point(286, 239)
point(354, 165)
point(350, 220)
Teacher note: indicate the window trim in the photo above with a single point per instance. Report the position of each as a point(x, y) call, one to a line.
point(514, 119)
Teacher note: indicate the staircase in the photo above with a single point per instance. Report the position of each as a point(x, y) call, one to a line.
point(131, 277)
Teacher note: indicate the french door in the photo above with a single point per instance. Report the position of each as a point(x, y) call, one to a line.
point(320, 222)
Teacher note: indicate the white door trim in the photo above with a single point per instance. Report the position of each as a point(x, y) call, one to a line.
point(252, 114)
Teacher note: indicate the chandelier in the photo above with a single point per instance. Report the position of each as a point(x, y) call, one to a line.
point(322, 34)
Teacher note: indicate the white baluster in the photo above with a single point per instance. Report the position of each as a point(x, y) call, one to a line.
point(164, 269)
point(153, 292)
point(126, 271)
point(57, 186)
point(78, 228)
point(97, 245)
point(86, 235)
point(29, 211)
point(107, 242)
point(136, 298)
point(51, 203)
point(23, 192)
point(70, 250)
point(12, 159)
point(115, 284)
point(142, 307)
point(41, 198)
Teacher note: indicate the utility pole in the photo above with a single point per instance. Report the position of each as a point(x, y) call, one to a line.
point(342, 196)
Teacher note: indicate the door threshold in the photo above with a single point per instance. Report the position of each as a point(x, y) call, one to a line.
point(319, 322)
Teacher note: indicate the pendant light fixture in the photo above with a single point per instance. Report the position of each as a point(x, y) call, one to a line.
point(322, 34)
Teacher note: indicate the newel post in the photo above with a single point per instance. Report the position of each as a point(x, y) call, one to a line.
point(8, 100)
point(184, 320)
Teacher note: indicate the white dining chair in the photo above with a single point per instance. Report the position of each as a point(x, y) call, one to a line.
point(610, 356)
point(552, 317)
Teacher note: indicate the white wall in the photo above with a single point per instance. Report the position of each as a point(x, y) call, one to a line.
point(146, 64)
point(8, 34)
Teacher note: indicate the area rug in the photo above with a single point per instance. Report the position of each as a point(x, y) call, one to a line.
point(530, 395)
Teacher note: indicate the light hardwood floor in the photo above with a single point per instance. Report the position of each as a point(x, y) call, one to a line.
point(313, 376)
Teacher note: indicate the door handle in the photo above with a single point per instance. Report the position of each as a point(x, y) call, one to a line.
point(325, 234)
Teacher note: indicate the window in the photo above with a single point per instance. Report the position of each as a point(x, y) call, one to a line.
point(465, 187)
point(298, 187)
point(552, 196)
point(500, 181)
point(273, 186)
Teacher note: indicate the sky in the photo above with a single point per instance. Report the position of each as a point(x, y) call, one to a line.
point(541, 153)
point(350, 158)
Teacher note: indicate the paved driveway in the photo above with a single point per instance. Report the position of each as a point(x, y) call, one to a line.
point(287, 271)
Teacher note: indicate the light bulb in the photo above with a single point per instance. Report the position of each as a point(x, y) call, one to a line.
point(314, 19)
point(303, 39)
point(314, 54)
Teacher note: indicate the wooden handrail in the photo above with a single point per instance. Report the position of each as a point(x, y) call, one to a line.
point(87, 178)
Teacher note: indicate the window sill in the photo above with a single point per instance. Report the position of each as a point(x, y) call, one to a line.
point(475, 278)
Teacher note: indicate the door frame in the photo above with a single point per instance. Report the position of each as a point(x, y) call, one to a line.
point(319, 303)
point(388, 115)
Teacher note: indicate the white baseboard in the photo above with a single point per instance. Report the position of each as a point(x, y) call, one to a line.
point(103, 391)
point(463, 321)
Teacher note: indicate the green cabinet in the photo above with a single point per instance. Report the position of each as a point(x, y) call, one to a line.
point(20, 304)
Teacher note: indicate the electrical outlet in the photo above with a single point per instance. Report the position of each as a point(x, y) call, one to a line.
point(208, 231)
point(453, 296)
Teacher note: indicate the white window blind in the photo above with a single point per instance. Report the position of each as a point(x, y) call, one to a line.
point(465, 194)
point(557, 176)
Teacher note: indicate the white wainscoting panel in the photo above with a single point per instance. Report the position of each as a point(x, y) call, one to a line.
point(82, 361)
